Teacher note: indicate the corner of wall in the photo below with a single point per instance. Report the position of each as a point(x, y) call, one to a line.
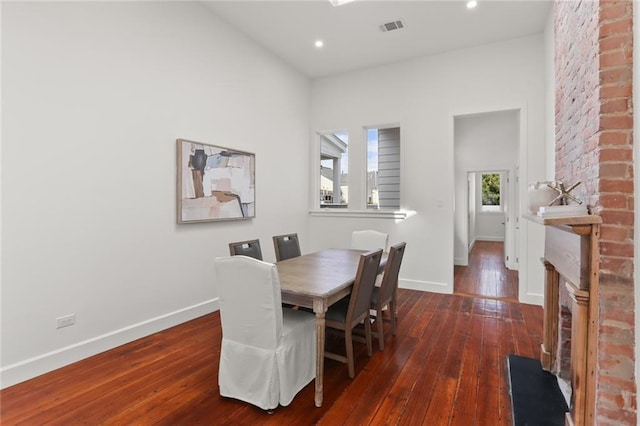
point(30, 368)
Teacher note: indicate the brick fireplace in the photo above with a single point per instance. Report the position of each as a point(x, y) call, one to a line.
point(594, 145)
point(569, 344)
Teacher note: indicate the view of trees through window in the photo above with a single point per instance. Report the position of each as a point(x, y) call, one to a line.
point(491, 189)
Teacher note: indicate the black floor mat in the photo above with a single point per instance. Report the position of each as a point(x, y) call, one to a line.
point(536, 398)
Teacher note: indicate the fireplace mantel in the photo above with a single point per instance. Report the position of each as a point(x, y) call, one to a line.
point(571, 252)
point(577, 222)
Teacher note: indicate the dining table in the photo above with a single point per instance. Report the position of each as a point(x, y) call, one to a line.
point(318, 280)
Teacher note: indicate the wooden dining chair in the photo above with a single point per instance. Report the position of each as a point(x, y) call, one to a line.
point(347, 313)
point(385, 296)
point(249, 248)
point(286, 246)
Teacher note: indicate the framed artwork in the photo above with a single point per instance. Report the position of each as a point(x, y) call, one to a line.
point(214, 183)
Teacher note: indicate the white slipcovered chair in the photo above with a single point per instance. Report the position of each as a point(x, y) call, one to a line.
point(369, 240)
point(268, 354)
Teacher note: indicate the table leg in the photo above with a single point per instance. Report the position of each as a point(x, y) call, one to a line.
point(320, 309)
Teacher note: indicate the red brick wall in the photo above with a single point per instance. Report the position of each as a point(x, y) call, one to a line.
point(577, 79)
point(594, 120)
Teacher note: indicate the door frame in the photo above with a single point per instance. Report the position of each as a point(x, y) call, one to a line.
point(515, 186)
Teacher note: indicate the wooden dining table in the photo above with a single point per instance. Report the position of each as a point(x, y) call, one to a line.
point(318, 280)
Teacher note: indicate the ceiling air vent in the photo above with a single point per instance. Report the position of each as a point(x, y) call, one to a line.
point(393, 25)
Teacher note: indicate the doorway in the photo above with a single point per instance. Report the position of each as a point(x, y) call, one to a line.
point(486, 155)
point(488, 211)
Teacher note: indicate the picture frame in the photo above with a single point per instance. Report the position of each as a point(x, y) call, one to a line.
point(214, 183)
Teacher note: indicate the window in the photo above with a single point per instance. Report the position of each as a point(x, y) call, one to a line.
point(375, 190)
point(383, 168)
point(334, 190)
point(491, 192)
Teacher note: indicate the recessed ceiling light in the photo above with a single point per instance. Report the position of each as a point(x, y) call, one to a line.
point(471, 4)
point(319, 43)
point(337, 3)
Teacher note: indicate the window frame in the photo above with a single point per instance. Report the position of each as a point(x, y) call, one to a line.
point(357, 155)
point(500, 208)
point(318, 152)
point(378, 128)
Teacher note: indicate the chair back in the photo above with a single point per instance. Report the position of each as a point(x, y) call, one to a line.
point(286, 246)
point(250, 301)
point(369, 240)
point(249, 248)
point(391, 271)
point(360, 299)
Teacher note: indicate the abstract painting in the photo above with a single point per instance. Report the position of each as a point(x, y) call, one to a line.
point(214, 183)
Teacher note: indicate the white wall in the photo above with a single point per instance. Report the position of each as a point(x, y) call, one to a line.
point(550, 84)
point(424, 95)
point(94, 96)
point(482, 143)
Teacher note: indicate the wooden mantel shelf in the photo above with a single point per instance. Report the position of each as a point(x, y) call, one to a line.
point(579, 224)
point(564, 220)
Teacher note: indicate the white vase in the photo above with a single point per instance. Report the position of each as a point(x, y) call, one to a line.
point(541, 195)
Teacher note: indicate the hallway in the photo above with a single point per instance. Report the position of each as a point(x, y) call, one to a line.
point(486, 276)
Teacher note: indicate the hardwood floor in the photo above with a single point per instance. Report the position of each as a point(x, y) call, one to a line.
point(446, 366)
point(486, 275)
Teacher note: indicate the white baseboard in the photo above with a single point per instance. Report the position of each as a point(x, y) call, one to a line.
point(512, 266)
point(532, 299)
point(433, 287)
point(32, 367)
point(459, 261)
point(429, 286)
point(489, 238)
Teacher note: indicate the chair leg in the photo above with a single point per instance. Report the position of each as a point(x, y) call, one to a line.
point(393, 311)
point(367, 335)
point(380, 322)
point(349, 348)
point(394, 299)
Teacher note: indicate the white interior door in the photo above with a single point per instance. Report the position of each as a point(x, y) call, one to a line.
point(471, 199)
point(508, 243)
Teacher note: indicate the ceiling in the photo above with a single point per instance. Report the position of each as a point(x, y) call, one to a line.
point(352, 37)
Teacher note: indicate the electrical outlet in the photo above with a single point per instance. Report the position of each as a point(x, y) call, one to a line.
point(65, 321)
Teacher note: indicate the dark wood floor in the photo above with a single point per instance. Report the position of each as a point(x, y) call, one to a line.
point(446, 366)
point(486, 275)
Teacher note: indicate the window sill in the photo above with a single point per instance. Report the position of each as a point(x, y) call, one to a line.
point(491, 212)
point(378, 214)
